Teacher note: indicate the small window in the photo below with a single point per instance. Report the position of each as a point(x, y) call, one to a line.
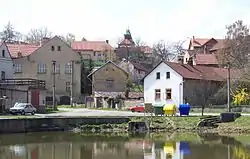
point(157, 94)
point(109, 83)
point(17, 68)
point(52, 48)
point(168, 94)
point(186, 59)
point(67, 86)
point(158, 75)
point(68, 68)
point(94, 53)
point(58, 48)
point(41, 68)
point(2, 75)
point(3, 53)
point(168, 75)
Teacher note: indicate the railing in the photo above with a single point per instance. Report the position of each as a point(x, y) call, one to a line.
point(23, 82)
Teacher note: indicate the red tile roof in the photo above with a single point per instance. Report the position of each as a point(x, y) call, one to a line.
point(91, 46)
point(24, 49)
point(146, 49)
point(205, 59)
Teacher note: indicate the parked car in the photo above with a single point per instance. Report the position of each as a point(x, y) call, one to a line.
point(23, 108)
point(137, 108)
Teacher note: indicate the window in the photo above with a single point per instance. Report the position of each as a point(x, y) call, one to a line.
point(68, 68)
point(58, 48)
point(94, 53)
point(168, 75)
point(57, 68)
point(186, 59)
point(157, 94)
point(41, 68)
point(17, 68)
point(2, 75)
point(52, 48)
point(109, 83)
point(158, 75)
point(68, 86)
point(3, 53)
point(168, 94)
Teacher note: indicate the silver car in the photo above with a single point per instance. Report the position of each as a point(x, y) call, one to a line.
point(23, 108)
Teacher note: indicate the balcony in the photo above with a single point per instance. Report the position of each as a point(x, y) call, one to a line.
point(31, 83)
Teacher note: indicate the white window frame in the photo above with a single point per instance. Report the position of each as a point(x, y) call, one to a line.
point(17, 68)
point(57, 68)
point(41, 68)
point(68, 68)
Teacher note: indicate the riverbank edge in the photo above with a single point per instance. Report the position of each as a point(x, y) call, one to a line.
point(115, 124)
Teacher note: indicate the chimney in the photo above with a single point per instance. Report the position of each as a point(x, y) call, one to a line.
point(44, 40)
point(107, 41)
point(190, 61)
point(193, 37)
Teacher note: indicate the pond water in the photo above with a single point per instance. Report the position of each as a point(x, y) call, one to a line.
point(63, 145)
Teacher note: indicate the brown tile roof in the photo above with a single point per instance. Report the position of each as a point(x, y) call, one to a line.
point(200, 41)
point(125, 42)
point(138, 66)
point(24, 49)
point(197, 72)
point(204, 59)
point(91, 46)
point(202, 72)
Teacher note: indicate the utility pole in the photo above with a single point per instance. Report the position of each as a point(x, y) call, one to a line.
point(228, 87)
point(54, 84)
point(71, 83)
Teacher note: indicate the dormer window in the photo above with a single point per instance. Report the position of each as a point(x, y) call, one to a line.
point(19, 54)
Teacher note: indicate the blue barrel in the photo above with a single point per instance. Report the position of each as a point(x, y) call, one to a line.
point(184, 148)
point(184, 109)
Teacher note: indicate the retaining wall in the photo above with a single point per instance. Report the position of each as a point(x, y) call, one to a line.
point(53, 124)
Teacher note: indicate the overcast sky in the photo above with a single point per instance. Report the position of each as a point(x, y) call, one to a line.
point(151, 20)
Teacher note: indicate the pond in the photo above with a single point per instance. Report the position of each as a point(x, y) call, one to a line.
point(65, 145)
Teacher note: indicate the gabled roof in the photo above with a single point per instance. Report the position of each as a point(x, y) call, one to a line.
point(91, 46)
point(109, 62)
point(200, 72)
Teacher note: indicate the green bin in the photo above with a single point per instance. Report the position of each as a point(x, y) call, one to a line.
point(159, 109)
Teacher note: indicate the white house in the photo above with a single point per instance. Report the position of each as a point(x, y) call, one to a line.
point(6, 62)
point(163, 84)
point(179, 83)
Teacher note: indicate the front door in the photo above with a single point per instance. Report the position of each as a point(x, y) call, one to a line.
point(35, 98)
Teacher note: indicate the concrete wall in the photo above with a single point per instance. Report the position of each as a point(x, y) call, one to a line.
point(46, 124)
point(6, 63)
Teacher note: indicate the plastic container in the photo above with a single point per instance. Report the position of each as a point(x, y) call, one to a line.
point(158, 109)
point(169, 109)
point(184, 109)
point(184, 148)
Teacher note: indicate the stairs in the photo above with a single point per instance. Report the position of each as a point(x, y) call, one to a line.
point(209, 121)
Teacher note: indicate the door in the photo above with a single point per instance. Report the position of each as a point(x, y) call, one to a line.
point(35, 98)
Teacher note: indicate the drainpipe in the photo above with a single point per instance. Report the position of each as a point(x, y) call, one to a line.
point(71, 83)
point(54, 84)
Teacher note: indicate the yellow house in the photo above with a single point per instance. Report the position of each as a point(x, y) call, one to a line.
point(31, 61)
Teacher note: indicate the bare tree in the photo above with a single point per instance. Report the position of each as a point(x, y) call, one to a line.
point(204, 93)
point(167, 52)
point(139, 42)
point(119, 40)
point(236, 46)
point(9, 34)
point(69, 38)
point(36, 35)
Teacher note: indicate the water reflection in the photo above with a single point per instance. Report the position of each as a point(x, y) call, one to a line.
point(73, 146)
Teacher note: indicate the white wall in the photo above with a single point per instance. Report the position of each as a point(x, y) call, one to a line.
point(6, 63)
point(174, 83)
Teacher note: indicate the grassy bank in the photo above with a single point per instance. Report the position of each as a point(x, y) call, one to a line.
point(176, 124)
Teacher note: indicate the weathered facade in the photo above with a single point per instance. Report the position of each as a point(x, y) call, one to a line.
point(37, 64)
point(108, 82)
